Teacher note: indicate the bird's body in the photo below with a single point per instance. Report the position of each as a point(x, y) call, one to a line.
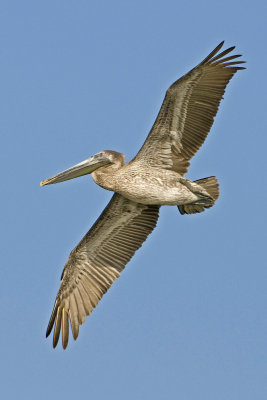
point(148, 185)
point(155, 177)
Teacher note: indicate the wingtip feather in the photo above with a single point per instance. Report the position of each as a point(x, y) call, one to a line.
point(212, 54)
point(51, 321)
point(65, 329)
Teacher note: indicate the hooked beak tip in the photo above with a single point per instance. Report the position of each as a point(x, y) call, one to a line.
point(45, 182)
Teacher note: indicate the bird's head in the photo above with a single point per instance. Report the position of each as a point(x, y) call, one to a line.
point(104, 159)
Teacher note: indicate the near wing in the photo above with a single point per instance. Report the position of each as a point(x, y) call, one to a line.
point(188, 111)
point(98, 260)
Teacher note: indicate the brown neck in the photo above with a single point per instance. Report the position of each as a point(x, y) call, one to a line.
point(106, 176)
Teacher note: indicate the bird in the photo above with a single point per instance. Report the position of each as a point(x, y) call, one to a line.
point(153, 178)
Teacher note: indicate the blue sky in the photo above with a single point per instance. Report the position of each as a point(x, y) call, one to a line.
point(188, 317)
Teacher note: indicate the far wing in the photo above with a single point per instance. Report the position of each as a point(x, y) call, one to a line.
point(188, 111)
point(98, 260)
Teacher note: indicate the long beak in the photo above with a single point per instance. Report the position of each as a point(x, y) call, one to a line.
point(85, 167)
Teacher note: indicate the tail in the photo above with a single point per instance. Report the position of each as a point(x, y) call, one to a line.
point(212, 187)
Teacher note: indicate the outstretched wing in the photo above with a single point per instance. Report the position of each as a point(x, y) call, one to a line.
point(98, 260)
point(188, 111)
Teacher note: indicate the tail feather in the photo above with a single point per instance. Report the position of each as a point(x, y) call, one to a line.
point(211, 185)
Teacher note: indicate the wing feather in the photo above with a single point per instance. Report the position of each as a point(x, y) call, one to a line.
point(57, 327)
point(188, 111)
point(65, 329)
point(80, 307)
point(73, 315)
point(97, 261)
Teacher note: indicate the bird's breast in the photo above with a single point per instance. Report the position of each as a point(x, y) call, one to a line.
point(148, 186)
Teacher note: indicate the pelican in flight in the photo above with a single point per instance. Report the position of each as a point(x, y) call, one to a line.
point(155, 177)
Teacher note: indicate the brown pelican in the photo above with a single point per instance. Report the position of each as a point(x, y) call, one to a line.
point(153, 178)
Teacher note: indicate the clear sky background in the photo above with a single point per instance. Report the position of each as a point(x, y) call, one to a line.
point(188, 317)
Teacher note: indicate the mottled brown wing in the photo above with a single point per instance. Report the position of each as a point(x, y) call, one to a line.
point(188, 111)
point(97, 261)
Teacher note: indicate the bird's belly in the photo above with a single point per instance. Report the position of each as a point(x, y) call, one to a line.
point(158, 194)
